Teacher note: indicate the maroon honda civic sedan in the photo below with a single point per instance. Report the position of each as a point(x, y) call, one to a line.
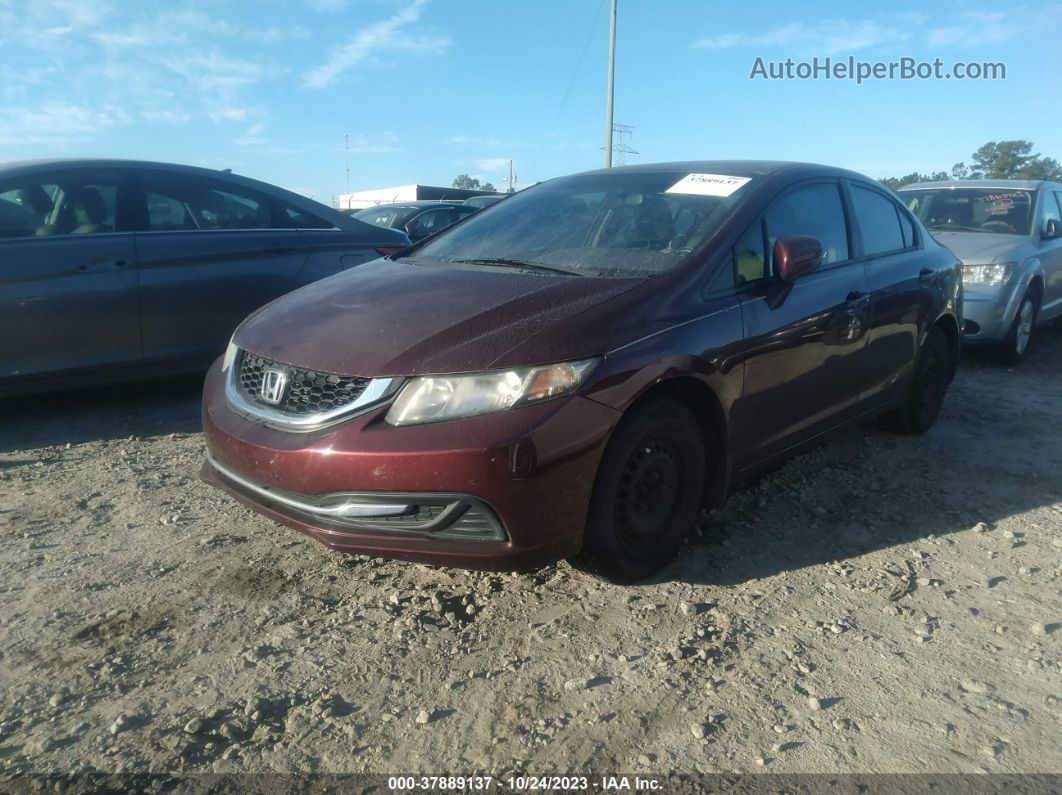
point(576, 371)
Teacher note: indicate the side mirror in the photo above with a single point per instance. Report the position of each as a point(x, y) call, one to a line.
point(1052, 229)
point(797, 256)
point(408, 229)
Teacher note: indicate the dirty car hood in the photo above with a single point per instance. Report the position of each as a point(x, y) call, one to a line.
point(389, 318)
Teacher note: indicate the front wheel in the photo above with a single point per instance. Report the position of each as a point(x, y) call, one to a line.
point(936, 361)
point(647, 493)
point(1016, 344)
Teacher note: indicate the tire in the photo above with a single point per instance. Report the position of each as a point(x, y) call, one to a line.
point(647, 493)
point(1015, 346)
point(936, 363)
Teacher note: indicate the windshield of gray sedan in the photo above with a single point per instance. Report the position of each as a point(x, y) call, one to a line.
point(997, 210)
point(617, 224)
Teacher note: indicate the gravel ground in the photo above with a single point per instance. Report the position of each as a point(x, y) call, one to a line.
point(883, 604)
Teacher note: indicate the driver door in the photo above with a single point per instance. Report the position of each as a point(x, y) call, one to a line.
point(804, 356)
point(68, 285)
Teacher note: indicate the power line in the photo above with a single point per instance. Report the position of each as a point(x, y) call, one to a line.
point(571, 84)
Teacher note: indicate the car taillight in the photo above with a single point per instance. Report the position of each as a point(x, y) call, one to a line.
point(387, 251)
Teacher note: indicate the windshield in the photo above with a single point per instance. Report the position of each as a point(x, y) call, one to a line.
point(387, 217)
point(617, 224)
point(997, 210)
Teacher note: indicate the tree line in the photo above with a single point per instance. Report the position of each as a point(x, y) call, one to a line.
point(994, 160)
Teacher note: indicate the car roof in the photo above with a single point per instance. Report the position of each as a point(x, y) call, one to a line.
point(733, 168)
point(415, 204)
point(1012, 184)
point(14, 168)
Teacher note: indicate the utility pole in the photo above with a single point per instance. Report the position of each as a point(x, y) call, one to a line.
point(611, 85)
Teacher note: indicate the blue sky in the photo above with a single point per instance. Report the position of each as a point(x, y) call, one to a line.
point(428, 89)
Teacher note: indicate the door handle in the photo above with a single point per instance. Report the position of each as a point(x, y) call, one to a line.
point(278, 247)
point(857, 302)
point(926, 275)
point(102, 263)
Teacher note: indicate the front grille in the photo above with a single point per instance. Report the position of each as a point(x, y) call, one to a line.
point(307, 391)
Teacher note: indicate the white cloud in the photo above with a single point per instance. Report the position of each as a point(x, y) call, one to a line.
point(836, 36)
point(166, 116)
point(978, 27)
point(388, 35)
point(827, 37)
point(228, 114)
point(213, 72)
point(471, 140)
point(327, 6)
point(252, 136)
point(174, 27)
point(493, 164)
point(375, 144)
point(58, 122)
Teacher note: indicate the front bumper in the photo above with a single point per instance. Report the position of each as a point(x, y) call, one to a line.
point(519, 481)
point(989, 314)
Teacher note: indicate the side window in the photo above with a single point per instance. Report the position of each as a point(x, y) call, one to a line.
point(304, 220)
point(879, 222)
point(910, 239)
point(25, 207)
point(430, 222)
point(177, 202)
point(1050, 211)
point(750, 261)
point(813, 210)
point(75, 204)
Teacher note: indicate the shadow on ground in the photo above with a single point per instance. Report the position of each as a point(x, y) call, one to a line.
point(995, 452)
point(146, 408)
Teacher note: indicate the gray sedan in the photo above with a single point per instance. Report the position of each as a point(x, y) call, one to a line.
point(1008, 234)
point(115, 269)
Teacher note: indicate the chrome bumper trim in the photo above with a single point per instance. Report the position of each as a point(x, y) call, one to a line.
point(348, 509)
point(457, 516)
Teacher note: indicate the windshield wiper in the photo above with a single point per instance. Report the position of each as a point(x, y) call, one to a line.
point(957, 228)
point(521, 265)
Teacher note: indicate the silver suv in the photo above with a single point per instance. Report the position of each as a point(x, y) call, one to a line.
point(1008, 234)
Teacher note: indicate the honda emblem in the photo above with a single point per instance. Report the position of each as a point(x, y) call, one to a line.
point(274, 384)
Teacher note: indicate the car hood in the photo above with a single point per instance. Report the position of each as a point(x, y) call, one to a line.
point(389, 318)
point(982, 247)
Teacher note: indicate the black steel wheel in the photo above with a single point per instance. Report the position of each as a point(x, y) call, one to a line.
point(933, 373)
point(647, 493)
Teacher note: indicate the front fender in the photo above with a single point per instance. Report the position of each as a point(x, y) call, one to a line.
point(1029, 270)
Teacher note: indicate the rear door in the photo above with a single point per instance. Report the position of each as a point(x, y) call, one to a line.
point(902, 288)
point(805, 356)
point(330, 250)
point(210, 252)
point(68, 296)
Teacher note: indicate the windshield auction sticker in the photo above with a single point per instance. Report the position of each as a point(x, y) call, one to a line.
point(708, 184)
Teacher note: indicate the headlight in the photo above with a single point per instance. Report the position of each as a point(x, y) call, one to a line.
point(987, 275)
point(432, 398)
point(230, 357)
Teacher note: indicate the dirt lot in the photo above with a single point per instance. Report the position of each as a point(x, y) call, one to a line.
point(883, 604)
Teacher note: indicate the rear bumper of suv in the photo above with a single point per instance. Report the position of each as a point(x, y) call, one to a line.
point(501, 492)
